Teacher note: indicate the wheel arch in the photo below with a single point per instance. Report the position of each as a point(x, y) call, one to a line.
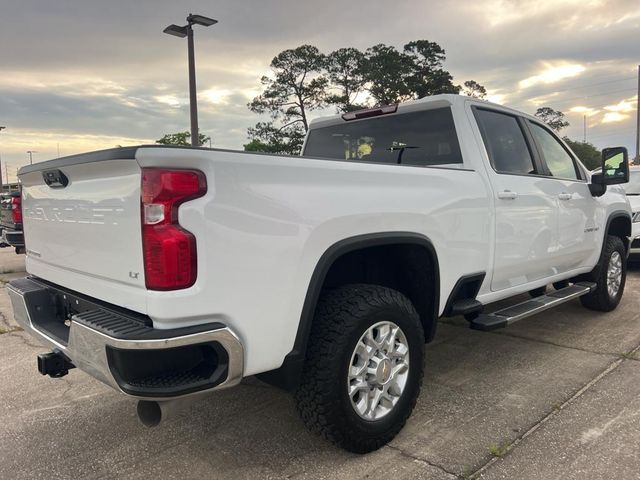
point(619, 225)
point(288, 375)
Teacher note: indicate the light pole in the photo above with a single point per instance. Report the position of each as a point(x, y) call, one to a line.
point(187, 31)
point(1, 128)
point(31, 152)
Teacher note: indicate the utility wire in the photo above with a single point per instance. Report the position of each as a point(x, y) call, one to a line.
point(572, 99)
point(540, 93)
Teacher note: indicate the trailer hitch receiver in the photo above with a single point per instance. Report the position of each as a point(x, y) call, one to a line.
point(54, 364)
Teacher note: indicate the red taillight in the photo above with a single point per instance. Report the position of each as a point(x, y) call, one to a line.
point(16, 209)
point(170, 258)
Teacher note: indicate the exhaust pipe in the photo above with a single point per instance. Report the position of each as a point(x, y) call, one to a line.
point(151, 413)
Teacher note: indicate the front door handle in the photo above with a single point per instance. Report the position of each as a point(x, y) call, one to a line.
point(565, 196)
point(507, 195)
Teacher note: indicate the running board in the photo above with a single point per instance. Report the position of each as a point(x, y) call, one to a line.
point(509, 315)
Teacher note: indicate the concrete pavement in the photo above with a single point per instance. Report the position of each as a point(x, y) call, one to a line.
point(554, 396)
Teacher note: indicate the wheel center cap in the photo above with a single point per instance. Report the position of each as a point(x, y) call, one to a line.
point(383, 372)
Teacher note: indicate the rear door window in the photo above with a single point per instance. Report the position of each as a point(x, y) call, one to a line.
point(425, 138)
point(505, 143)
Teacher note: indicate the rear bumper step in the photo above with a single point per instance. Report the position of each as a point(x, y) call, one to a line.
point(15, 238)
point(121, 348)
point(509, 315)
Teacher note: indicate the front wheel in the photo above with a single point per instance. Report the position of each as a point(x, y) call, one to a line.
point(363, 368)
point(610, 276)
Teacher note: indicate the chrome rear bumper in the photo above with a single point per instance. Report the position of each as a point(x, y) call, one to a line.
point(14, 238)
point(102, 344)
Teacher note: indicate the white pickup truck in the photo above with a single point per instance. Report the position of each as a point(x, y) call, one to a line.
point(171, 272)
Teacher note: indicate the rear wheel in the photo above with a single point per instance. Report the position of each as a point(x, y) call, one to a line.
point(363, 368)
point(610, 276)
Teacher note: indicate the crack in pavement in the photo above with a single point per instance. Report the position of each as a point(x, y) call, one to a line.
point(556, 411)
point(17, 333)
point(548, 342)
point(536, 340)
point(423, 460)
point(4, 321)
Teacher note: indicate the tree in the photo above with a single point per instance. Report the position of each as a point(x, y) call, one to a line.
point(472, 88)
point(386, 71)
point(303, 80)
point(588, 154)
point(416, 72)
point(553, 118)
point(265, 137)
point(427, 76)
point(295, 88)
point(344, 69)
point(181, 138)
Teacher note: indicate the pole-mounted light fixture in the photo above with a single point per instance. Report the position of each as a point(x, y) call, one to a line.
point(176, 30)
point(201, 20)
point(187, 31)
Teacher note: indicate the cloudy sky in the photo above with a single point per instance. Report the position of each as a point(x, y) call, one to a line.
point(84, 75)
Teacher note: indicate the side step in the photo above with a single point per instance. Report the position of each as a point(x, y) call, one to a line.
point(509, 315)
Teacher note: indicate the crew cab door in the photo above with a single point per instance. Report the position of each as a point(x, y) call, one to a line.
point(578, 230)
point(526, 211)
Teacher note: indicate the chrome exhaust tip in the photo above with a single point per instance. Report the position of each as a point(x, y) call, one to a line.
point(151, 413)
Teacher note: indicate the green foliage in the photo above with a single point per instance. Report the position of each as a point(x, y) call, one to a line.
point(472, 88)
point(303, 79)
point(295, 87)
point(386, 71)
point(553, 118)
point(345, 73)
point(181, 138)
point(499, 450)
point(266, 137)
point(588, 154)
point(393, 76)
point(427, 75)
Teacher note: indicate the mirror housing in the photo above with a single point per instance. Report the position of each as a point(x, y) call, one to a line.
point(614, 170)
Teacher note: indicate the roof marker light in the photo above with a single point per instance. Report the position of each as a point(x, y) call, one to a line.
point(369, 112)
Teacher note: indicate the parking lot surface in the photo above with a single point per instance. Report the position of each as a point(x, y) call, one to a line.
point(553, 396)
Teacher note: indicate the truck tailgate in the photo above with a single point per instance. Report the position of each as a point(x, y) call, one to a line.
point(89, 228)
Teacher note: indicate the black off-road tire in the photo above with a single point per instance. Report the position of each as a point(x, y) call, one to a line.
point(343, 315)
point(600, 299)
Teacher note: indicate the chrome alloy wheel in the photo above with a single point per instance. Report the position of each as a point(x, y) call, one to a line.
point(379, 370)
point(614, 274)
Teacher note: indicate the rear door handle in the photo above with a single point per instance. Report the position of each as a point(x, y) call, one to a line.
point(507, 195)
point(565, 196)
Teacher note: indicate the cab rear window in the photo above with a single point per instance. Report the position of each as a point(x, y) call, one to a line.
point(425, 138)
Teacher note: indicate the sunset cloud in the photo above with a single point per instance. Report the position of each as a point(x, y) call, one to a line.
point(623, 107)
point(614, 117)
point(552, 74)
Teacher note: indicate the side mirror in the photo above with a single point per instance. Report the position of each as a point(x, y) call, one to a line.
point(615, 165)
point(615, 170)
